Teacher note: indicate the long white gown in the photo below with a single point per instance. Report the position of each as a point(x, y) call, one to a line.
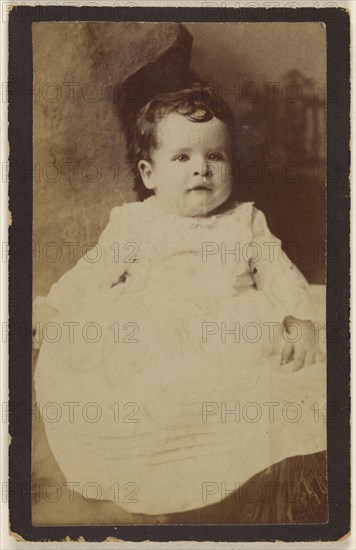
point(167, 385)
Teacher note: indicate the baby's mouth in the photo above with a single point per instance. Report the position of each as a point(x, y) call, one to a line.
point(201, 187)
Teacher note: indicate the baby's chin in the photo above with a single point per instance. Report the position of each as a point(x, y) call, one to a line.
point(197, 206)
point(194, 204)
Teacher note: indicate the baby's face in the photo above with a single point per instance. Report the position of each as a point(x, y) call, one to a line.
point(190, 171)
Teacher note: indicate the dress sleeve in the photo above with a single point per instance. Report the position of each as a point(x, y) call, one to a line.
point(276, 275)
point(90, 273)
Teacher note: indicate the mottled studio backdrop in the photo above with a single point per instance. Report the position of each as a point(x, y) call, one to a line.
point(272, 74)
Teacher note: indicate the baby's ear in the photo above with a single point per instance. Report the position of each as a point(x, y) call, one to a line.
point(146, 172)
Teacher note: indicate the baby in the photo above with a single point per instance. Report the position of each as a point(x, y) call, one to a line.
point(205, 296)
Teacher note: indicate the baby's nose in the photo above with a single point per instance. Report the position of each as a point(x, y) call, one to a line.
point(204, 169)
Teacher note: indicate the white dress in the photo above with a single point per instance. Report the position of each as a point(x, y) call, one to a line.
point(167, 370)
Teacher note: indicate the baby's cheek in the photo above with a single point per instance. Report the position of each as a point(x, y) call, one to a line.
point(223, 186)
point(228, 174)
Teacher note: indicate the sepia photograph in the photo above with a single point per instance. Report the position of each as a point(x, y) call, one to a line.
point(177, 292)
point(179, 284)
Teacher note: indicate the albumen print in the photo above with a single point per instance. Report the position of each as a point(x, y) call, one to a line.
point(179, 222)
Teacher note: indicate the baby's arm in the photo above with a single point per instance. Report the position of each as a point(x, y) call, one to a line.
point(84, 278)
point(278, 278)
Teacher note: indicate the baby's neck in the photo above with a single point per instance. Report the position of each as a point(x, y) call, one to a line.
point(224, 207)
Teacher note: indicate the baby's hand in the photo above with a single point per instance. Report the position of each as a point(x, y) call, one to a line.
point(42, 313)
point(305, 349)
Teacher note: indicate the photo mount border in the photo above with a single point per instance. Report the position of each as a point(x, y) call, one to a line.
point(337, 25)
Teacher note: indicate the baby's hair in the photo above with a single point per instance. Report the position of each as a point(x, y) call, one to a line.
point(198, 103)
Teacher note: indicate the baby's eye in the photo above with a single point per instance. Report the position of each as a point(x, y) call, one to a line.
point(181, 158)
point(216, 156)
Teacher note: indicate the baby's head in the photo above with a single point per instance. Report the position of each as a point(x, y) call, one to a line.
point(180, 146)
